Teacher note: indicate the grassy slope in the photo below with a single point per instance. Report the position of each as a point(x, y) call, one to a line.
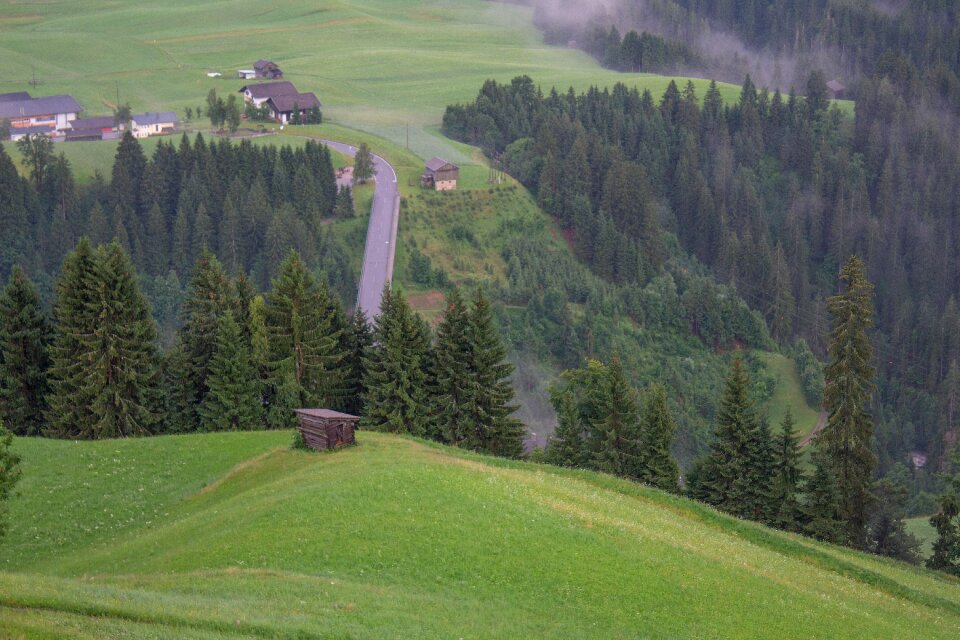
point(398, 538)
point(924, 531)
point(788, 394)
point(416, 57)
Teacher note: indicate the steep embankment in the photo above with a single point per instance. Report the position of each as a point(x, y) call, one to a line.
point(399, 538)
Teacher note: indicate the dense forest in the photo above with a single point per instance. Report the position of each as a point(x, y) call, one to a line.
point(773, 192)
point(779, 42)
point(250, 204)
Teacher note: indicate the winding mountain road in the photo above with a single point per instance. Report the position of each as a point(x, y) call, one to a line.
point(378, 255)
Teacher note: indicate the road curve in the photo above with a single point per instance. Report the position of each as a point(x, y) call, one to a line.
point(378, 255)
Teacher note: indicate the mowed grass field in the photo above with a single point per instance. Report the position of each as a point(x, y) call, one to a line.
point(388, 67)
point(235, 535)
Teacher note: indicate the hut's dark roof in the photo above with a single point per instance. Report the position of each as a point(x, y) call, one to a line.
point(39, 107)
point(834, 85)
point(263, 64)
point(436, 164)
point(326, 413)
point(270, 89)
point(287, 101)
point(16, 95)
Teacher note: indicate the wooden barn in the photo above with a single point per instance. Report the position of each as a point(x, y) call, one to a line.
point(325, 429)
point(440, 174)
point(836, 90)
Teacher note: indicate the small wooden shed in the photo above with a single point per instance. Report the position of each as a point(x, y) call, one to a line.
point(326, 429)
point(836, 90)
point(440, 174)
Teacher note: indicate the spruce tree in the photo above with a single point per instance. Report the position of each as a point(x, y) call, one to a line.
point(10, 473)
point(70, 399)
point(762, 470)
point(118, 358)
point(358, 338)
point(454, 392)
point(657, 467)
point(788, 476)
point(495, 430)
point(304, 325)
point(887, 533)
point(565, 447)
point(725, 479)
point(821, 507)
point(617, 425)
point(24, 343)
point(847, 437)
point(946, 548)
point(232, 402)
point(396, 398)
point(209, 296)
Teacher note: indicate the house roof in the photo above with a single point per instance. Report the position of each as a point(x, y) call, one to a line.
point(85, 124)
point(834, 85)
point(16, 95)
point(39, 107)
point(22, 131)
point(162, 117)
point(269, 89)
point(325, 413)
point(436, 164)
point(263, 64)
point(286, 102)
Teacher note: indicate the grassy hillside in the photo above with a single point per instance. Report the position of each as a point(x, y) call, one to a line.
point(234, 535)
point(416, 57)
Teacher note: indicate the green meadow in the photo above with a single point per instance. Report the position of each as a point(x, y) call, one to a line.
point(388, 67)
point(235, 535)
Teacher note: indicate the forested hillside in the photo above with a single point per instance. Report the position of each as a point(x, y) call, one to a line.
point(773, 193)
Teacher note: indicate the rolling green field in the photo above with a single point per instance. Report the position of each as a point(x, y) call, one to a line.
point(377, 65)
point(234, 535)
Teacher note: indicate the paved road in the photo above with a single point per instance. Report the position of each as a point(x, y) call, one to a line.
point(379, 253)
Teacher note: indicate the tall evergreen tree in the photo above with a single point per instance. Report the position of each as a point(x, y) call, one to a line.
point(495, 430)
point(454, 391)
point(358, 341)
point(209, 296)
point(119, 357)
point(788, 476)
point(10, 473)
point(946, 548)
point(617, 426)
point(70, 398)
point(304, 328)
point(232, 402)
point(821, 516)
point(887, 533)
point(396, 398)
point(24, 343)
point(566, 446)
point(726, 475)
point(657, 466)
point(847, 437)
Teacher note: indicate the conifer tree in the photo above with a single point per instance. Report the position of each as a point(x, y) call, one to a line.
point(495, 430)
point(304, 326)
point(119, 356)
point(358, 340)
point(946, 548)
point(209, 296)
point(24, 343)
point(10, 473)
point(565, 447)
point(762, 469)
point(454, 391)
point(617, 425)
point(70, 398)
point(822, 501)
point(657, 466)
point(887, 533)
point(788, 476)
point(396, 376)
point(232, 402)
point(725, 476)
point(847, 437)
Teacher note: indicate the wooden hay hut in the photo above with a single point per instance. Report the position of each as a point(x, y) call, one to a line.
point(325, 429)
point(440, 174)
point(836, 90)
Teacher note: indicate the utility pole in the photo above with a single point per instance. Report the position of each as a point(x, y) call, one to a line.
point(408, 136)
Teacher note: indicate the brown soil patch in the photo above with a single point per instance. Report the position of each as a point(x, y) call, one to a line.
point(252, 32)
point(429, 301)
